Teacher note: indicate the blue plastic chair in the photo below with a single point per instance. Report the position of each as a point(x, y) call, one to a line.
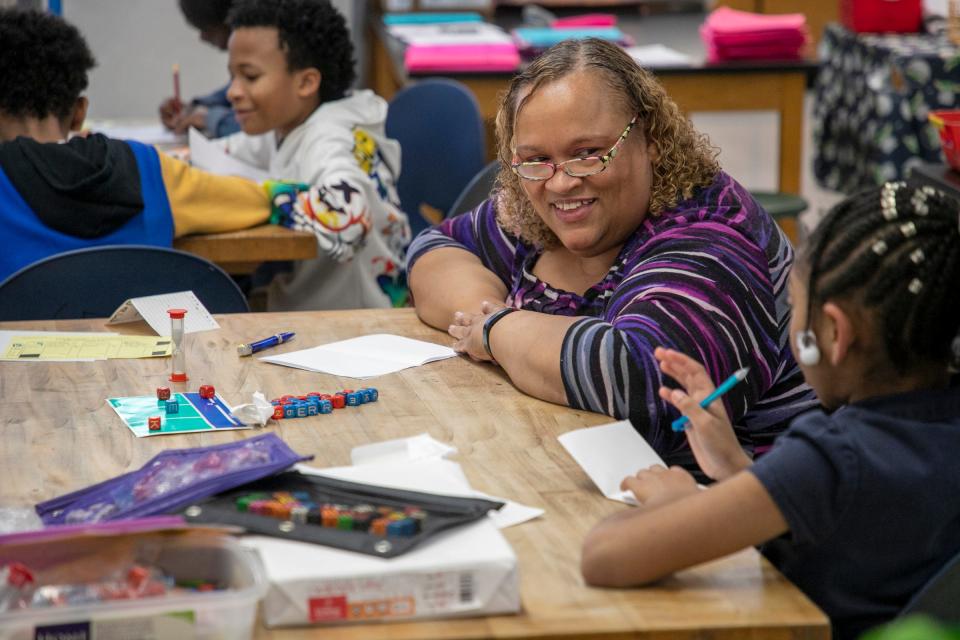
point(93, 282)
point(438, 124)
point(477, 190)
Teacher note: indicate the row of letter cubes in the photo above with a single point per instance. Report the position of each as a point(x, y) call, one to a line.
point(315, 403)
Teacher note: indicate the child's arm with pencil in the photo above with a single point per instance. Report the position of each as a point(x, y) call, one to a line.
point(677, 525)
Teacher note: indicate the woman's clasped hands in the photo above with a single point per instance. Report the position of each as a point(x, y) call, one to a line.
point(467, 330)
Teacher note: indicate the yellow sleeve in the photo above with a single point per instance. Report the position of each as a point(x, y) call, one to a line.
point(204, 202)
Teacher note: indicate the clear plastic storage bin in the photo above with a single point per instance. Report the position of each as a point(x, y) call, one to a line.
point(226, 614)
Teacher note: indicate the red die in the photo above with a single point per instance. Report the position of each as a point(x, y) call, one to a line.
point(339, 401)
point(278, 412)
point(153, 423)
point(207, 391)
point(163, 393)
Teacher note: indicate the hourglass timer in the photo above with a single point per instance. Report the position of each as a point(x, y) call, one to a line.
point(178, 371)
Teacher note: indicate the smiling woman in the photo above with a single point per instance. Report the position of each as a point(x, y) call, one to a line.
point(612, 231)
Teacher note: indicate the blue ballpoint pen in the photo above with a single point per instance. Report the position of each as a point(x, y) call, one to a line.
point(260, 345)
point(680, 423)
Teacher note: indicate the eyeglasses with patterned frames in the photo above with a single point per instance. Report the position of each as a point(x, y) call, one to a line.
point(575, 167)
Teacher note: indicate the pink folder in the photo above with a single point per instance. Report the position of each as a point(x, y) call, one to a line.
point(585, 20)
point(492, 57)
point(731, 22)
point(729, 34)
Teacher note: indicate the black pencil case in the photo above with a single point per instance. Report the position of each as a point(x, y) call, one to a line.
point(432, 513)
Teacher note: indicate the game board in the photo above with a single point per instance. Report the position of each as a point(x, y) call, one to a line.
point(196, 414)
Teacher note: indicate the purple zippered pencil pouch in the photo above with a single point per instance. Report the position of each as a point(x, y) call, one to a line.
point(171, 480)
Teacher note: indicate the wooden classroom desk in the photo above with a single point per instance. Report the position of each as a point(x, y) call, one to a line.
point(239, 252)
point(773, 86)
point(57, 434)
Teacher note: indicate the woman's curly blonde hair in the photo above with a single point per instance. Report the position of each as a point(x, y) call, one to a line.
point(684, 158)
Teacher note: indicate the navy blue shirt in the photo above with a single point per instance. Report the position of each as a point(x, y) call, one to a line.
point(870, 496)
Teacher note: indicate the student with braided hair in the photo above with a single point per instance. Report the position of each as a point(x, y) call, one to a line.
point(856, 505)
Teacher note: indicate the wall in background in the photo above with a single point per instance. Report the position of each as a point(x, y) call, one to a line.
point(136, 43)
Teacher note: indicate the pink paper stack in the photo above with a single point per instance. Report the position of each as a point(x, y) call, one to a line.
point(729, 34)
point(462, 58)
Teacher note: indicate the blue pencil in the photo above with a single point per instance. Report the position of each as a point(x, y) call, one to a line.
point(680, 423)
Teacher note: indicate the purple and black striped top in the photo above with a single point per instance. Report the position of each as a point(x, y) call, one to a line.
point(708, 278)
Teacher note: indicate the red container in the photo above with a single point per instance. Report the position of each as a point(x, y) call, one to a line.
point(947, 123)
point(880, 16)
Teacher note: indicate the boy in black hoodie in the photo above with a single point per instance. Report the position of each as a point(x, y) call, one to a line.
point(58, 194)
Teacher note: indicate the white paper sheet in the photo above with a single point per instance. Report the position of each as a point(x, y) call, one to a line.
point(658, 55)
point(147, 133)
point(608, 454)
point(153, 309)
point(364, 357)
point(412, 449)
point(208, 155)
point(423, 450)
point(451, 34)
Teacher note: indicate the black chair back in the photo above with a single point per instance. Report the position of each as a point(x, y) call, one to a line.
point(477, 190)
point(93, 282)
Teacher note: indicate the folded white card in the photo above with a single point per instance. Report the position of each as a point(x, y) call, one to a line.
point(402, 450)
point(153, 309)
point(364, 357)
point(608, 454)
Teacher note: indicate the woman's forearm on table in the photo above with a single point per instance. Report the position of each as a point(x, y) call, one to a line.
point(449, 279)
point(527, 345)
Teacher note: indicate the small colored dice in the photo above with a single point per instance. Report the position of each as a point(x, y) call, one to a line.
point(289, 411)
point(154, 423)
point(366, 394)
point(339, 401)
point(301, 409)
point(312, 408)
point(374, 394)
point(325, 406)
point(207, 391)
point(163, 393)
point(278, 412)
point(172, 406)
point(353, 399)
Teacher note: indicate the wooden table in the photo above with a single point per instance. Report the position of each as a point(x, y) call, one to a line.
point(57, 434)
point(774, 86)
point(240, 252)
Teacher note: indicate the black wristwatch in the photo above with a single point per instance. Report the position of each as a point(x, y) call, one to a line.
point(491, 320)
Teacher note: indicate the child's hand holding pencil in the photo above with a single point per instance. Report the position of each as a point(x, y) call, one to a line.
point(708, 429)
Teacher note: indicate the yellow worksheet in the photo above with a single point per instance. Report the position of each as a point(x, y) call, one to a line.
point(80, 347)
